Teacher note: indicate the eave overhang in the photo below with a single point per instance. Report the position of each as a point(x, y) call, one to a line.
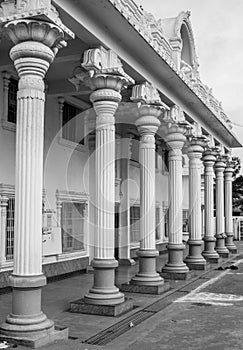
point(101, 23)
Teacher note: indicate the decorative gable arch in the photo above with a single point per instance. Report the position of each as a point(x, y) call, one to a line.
point(183, 31)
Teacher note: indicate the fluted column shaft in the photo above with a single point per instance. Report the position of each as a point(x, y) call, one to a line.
point(228, 207)
point(105, 101)
point(147, 190)
point(124, 234)
point(34, 50)
point(175, 140)
point(210, 254)
point(195, 260)
point(147, 126)
point(220, 219)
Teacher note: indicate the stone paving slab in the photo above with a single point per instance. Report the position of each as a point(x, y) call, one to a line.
point(57, 295)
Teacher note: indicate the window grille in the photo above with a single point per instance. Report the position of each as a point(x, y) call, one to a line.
point(157, 220)
point(69, 124)
point(135, 224)
point(72, 226)
point(12, 100)
point(185, 220)
point(166, 222)
point(10, 229)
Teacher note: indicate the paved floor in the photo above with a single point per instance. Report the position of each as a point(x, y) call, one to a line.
point(203, 313)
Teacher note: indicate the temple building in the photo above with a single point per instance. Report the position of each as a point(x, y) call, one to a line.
point(112, 151)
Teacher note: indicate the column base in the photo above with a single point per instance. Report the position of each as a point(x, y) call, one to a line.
point(175, 264)
point(213, 260)
point(221, 248)
point(195, 260)
point(126, 262)
point(104, 291)
point(209, 252)
point(229, 243)
point(145, 289)
point(27, 324)
point(36, 341)
point(147, 275)
point(202, 266)
point(177, 275)
point(81, 306)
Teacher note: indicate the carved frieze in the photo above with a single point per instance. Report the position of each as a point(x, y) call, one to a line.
point(145, 93)
point(153, 32)
point(43, 9)
point(101, 68)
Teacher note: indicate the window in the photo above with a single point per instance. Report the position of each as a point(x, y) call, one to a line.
point(135, 224)
point(72, 226)
point(12, 100)
point(10, 229)
point(166, 222)
point(185, 220)
point(157, 220)
point(165, 160)
point(69, 123)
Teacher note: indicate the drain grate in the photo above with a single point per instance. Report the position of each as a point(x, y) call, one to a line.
point(123, 326)
point(119, 328)
point(109, 334)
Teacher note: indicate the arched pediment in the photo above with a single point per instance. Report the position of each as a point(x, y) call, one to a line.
point(179, 32)
point(183, 31)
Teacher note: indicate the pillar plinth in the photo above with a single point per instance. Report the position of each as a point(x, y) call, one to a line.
point(105, 101)
point(147, 125)
point(229, 243)
point(209, 252)
point(220, 218)
point(175, 266)
point(195, 260)
point(35, 47)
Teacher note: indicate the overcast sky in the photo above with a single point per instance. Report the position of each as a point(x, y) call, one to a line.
point(218, 29)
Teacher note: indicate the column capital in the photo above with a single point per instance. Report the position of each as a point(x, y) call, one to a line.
point(36, 44)
point(196, 146)
point(220, 164)
point(49, 34)
point(229, 169)
point(148, 122)
point(102, 69)
point(176, 134)
point(210, 155)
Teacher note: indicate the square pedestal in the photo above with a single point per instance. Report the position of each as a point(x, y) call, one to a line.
point(38, 341)
point(103, 310)
point(200, 266)
point(126, 262)
point(177, 275)
point(233, 250)
point(224, 255)
point(137, 288)
point(213, 260)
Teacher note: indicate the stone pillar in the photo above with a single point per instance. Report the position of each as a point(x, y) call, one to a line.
point(35, 47)
point(220, 219)
point(147, 125)
point(175, 268)
point(209, 252)
point(195, 260)
point(106, 77)
point(124, 234)
point(228, 207)
point(105, 102)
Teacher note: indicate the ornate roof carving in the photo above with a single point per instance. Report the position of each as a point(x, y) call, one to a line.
point(162, 35)
point(42, 9)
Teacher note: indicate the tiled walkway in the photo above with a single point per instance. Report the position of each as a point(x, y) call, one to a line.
point(57, 295)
